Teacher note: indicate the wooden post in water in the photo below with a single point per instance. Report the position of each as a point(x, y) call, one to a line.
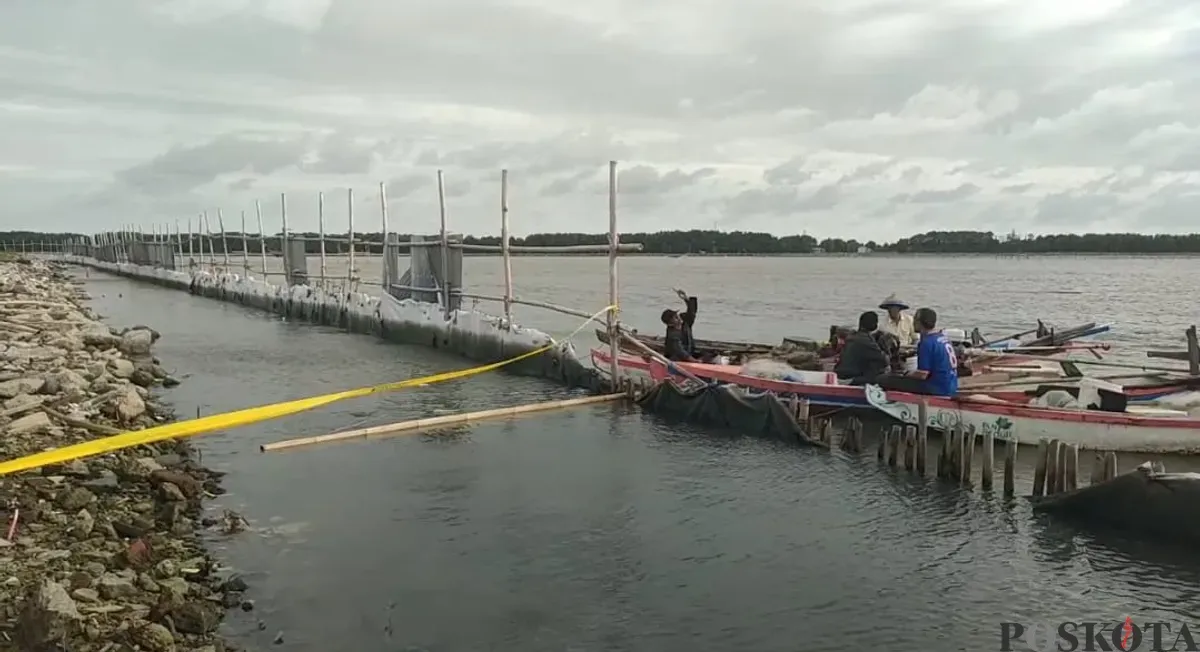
point(351, 277)
point(894, 447)
point(262, 237)
point(910, 448)
point(804, 417)
point(224, 242)
point(1193, 348)
point(321, 237)
point(245, 247)
point(1052, 479)
point(283, 242)
point(1039, 472)
point(1097, 468)
point(1110, 465)
point(1010, 467)
point(614, 239)
point(922, 436)
point(383, 218)
point(505, 252)
point(445, 247)
point(1071, 474)
point(881, 452)
point(987, 462)
point(970, 439)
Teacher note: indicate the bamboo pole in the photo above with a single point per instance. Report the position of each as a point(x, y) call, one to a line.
point(212, 252)
point(652, 353)
point(350, 276)
point(245, 248)
point(445, 244)
point(191, 245)
point(224, 242)
point(283, 242)
point(614, 344)
point(262, 237)
point(383, 217)
point(446, 420)
point(505, 253)
point(321, 234)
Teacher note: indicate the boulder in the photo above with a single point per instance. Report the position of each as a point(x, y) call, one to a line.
point(28, 385)
point(137, 342)
point(129, 406)
point(121, 368)
point(48, 619)
point(30, 423)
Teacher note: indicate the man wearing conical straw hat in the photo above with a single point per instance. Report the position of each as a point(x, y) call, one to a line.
point(898, 322)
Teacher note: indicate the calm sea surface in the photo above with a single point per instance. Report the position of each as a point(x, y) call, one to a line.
point(602, 528)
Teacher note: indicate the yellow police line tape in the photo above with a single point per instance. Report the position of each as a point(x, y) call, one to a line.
point(180, 429)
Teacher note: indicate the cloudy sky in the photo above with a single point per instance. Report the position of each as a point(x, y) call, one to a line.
point(856, 118)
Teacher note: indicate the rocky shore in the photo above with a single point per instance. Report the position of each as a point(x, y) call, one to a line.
point(103, 554)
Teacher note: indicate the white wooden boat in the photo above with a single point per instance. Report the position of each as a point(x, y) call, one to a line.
point(1138, 429)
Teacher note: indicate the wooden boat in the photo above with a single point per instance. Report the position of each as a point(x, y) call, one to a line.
point(1142, 430)
point(821, 388)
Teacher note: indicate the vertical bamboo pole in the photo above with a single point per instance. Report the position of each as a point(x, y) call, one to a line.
point(350, 276)
point(245, 248)
point(262, 237)
point(224, 242)
point(191, 252)
point(178, 245)
point(441, 186)
point(505, 252)
point(287, 272)
point(321, 233)
point(212, 243)
point(614, 338)
point(383, 218)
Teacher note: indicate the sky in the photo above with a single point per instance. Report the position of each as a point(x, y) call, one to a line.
point(871, 119)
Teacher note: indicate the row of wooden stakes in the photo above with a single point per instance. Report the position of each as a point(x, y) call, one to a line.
point(907, 447)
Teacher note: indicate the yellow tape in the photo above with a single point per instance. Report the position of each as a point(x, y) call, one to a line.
point(248, 416)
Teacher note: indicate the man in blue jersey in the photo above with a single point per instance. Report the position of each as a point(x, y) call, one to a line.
point(937, 364)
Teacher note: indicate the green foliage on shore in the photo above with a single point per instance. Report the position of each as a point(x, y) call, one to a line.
point(750, 243)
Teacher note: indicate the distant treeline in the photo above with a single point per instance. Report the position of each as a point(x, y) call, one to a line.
point(749, 242)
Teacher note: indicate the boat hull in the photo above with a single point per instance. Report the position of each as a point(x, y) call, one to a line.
point(1087, 429)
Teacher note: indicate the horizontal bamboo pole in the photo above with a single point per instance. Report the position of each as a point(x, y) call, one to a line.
point(525, 302)
point(550, 249)
point(431, 422)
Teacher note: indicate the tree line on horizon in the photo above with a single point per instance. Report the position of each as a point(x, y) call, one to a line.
point(702, 242)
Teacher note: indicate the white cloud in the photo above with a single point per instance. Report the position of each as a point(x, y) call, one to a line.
point(863, 118)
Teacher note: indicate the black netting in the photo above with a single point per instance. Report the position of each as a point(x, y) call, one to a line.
point(721, 406)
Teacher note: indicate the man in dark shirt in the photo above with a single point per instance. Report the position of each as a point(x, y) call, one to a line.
point(679, 343)
point(862, 361)
point(676, 345)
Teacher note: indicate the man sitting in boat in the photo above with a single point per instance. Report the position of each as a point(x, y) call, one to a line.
point(898, 323)
point(861, 359)
point(688, 316)
point(937, 365)
point(676, 345)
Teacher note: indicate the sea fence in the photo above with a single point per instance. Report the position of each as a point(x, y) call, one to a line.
point(207, 243)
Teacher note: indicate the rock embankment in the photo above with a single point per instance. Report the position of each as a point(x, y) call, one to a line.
point(102, 554)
